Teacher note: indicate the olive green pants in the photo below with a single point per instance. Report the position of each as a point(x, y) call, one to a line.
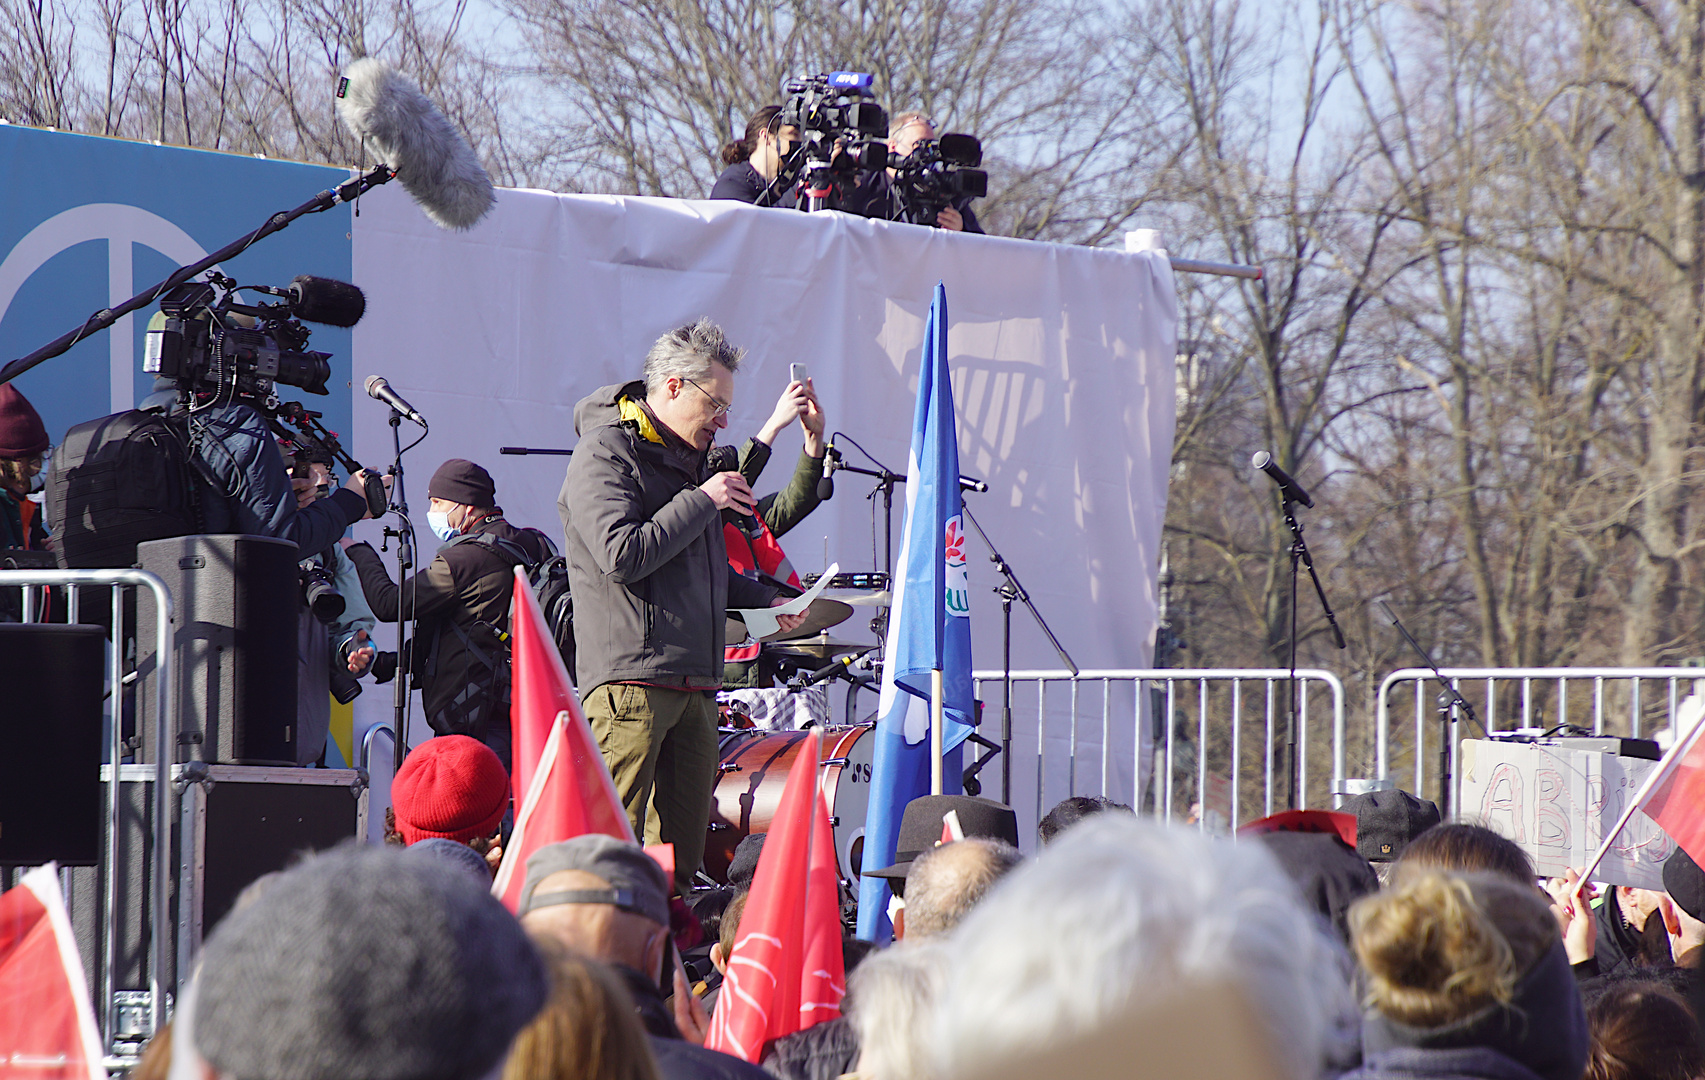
point(661, 748)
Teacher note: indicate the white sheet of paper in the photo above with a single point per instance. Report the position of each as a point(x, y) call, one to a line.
point(761, 622)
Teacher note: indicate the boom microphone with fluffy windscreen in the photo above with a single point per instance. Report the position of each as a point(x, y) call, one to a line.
point(402, 126)
point(326, 301)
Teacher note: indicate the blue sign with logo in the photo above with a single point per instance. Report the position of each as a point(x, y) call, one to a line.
point(88, 222)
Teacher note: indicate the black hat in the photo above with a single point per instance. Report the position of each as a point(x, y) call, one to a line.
point(920, 828)
point(1387, 820)
point(1685, 883)
point(461, 481)
point(745, 861)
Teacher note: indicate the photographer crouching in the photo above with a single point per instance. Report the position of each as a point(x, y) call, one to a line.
point(929, 181)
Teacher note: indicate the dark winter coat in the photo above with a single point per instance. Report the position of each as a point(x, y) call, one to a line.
point(646, 559)
point(468, 587)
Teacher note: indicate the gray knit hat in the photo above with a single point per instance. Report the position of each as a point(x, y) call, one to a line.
point(367, 962)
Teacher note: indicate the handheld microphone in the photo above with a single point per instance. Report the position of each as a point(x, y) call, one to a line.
point(826, 485)
point(435, 164)
point(326, 301)
point(380, 390)
point(727, 459)
point(1288, 488)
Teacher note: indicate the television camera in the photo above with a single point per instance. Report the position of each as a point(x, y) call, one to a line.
point(215, 349)
point(840, 133)
point(938, 173)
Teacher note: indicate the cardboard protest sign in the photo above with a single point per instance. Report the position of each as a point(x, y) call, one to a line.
point(1558, 804)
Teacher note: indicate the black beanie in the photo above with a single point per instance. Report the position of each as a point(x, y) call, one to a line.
point(461, 481)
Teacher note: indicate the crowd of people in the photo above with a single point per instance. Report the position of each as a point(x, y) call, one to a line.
point(1459, 964)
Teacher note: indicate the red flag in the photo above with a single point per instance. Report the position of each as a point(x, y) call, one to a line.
point(571, 795)
point(785, 973)
point(47, 1027)
point(1675, 799)
point(540, 687)
point(1673, 795)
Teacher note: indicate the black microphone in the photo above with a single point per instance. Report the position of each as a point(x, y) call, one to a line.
point(727, 459)
point(326, 301)
point(826, 484)
point(1290, 489)
point(824, 674)
point(380, 390)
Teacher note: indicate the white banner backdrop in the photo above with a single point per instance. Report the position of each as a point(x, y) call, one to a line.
point(1063, 376)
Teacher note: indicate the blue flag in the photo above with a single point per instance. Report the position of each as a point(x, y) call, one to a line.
point(929, 629)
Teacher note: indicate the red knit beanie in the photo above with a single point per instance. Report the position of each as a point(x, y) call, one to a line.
point(21, 432)
point(450, 786)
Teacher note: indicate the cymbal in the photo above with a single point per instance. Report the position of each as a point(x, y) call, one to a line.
point(821, 615)
point(861, 597)
point(823, 648)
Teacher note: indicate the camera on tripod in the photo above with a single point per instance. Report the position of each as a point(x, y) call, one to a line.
point(840, 133)
point(939, 173)
point(205, 341)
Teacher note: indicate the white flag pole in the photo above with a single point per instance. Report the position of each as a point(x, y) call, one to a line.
point(935, 696)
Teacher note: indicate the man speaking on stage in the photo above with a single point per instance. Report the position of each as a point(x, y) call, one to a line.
point(642, 530)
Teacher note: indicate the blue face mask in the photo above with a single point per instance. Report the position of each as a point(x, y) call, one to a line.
point(440, 525)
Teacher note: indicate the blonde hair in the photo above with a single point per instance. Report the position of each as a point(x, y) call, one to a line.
point(1439, 946)
point(588, 1030)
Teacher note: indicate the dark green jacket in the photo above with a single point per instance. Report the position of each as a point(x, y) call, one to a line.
point(782, 510)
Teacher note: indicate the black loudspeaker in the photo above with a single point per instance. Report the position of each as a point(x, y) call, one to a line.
point(231, 825)
point(236, 599)
point(50, 728)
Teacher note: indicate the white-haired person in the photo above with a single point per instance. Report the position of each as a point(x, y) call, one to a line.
point(1115, 914)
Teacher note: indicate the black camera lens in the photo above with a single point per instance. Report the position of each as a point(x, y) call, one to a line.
point(306, 370)
point(321, 595)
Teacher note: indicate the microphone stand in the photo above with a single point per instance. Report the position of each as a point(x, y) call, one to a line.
point(404, 532)
point(1449, 700)
point(1009, 591)
point(1299, 554)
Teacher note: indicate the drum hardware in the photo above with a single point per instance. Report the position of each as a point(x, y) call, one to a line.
point(719, 826)
point(728, 767)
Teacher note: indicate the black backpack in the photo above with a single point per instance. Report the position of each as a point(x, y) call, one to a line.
point(548, 575)
point(116, 482)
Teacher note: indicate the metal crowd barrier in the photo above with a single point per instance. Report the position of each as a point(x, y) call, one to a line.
point(1088, 727)
point(166, 718)
point(1534, 698)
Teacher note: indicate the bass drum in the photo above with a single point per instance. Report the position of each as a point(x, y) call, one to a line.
point(750, 780)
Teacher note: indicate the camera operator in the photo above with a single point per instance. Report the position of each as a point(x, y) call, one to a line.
point(332, 652)
point(754, 161)
point(461, 601)
point(876, 197)
point(246, 487)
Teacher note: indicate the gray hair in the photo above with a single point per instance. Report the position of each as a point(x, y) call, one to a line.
point(1119, 910)
point(687, 352)
point(888, 1002)
point(945, 883)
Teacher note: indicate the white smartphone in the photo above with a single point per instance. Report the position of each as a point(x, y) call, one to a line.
point(798, 374)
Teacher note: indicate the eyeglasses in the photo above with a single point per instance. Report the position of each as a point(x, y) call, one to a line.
point(721, 409)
